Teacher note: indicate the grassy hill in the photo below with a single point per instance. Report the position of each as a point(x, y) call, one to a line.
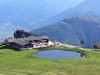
point(22, 63)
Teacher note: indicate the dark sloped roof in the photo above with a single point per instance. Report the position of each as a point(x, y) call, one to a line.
point(18, 41)
point(10, 39)
point(22, 33)
point(33, 38)
point(24, 41)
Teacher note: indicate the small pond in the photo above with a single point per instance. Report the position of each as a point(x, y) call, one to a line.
point(58, 54)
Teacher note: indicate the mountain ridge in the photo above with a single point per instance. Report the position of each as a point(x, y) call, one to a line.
point(81, 22)
point(88, 8)
point(27, 14)
point(73, 30)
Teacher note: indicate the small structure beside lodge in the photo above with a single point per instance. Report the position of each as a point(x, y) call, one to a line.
point(24, 40)
point(97, 45)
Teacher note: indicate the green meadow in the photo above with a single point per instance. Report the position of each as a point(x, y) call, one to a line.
point(23, 63)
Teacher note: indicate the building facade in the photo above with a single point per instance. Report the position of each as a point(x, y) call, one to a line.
point(23, 40)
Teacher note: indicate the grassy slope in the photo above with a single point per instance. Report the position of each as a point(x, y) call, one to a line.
point(22, 63)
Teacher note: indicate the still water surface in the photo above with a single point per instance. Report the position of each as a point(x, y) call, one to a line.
point(58, 54)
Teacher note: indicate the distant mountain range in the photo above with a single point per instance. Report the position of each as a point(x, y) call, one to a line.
point(86, 8)
point(81, 22)
point(73, 25)
point(26, 14)
point(30, 12)
point(73, 30)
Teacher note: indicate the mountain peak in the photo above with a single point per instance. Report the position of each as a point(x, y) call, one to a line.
point(86, 8)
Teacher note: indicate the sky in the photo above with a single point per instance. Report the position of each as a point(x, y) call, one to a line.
point(61, 4)
point(64, 4)
point(52, 6)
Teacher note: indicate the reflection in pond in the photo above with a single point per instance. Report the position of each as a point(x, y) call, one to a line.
point(58, 54)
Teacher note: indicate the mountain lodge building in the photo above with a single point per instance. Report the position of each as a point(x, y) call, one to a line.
point(24, 40)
